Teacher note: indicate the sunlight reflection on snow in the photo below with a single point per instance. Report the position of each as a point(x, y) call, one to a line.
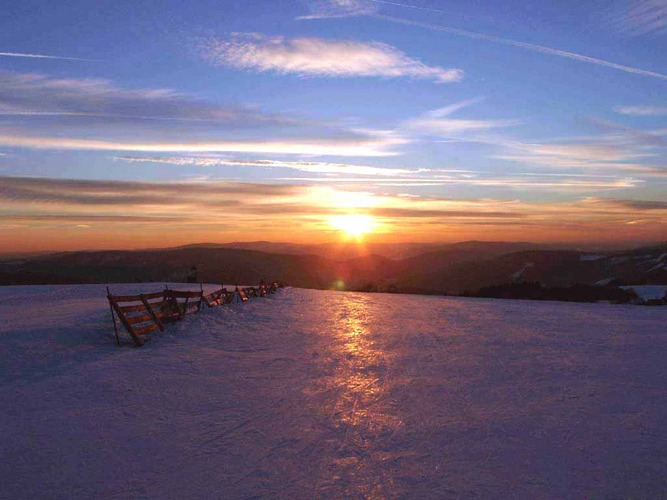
point(362, 413)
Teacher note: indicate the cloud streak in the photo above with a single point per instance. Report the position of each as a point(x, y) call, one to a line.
point(371, 146)
point(640, 205)
point(42, 56)
point(327, 9)
point(32, 94)
point(304, 166)
point(620, 148)
point(523, 45)
point(641, 17)
point(51, 208)
point(642, 110)
point(438, 123)
point(321, 57)
point(114, 194)
point(365, 175)
point(519, 182)
point(43, 112)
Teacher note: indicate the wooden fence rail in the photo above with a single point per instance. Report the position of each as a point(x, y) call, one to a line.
point(145, 313)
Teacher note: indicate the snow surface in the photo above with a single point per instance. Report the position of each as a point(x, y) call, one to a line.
point(590, 257)
point(310, 394)
point(517, 275)
point(648, 292)
point(660, 261)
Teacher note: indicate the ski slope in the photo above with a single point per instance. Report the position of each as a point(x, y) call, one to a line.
point(311, 394)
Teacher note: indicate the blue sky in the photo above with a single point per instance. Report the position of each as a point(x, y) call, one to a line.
point(556, 108)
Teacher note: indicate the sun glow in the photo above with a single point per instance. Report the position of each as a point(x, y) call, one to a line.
point(353, 224)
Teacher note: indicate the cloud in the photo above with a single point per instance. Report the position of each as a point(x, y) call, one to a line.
point(640, 17)
point(629, 137)
point(637, 205)
point(411, 213)
point(205, 209)
point(324, 9)
point(304, 166)
point(437, 122)
point(620, 149)
point(136, 194)
point(353, 174)
point(574, 154)
point(368, 146)
point(31, 94)
point(642, 110)
point(321, 57)
point(41, 56)
point(647, 17)
point(523, 45)
point(517, 182)
point(56, 218)
point(43, 112)
point(360, 175)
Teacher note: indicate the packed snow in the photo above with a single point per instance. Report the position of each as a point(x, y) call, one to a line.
point(648, 292)
point(517, 275)
point(308, 394)
point(590, 258)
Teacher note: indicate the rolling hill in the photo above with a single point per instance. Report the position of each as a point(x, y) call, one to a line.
point(453, 269)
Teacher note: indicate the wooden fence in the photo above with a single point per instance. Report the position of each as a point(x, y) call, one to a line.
point(146, 313)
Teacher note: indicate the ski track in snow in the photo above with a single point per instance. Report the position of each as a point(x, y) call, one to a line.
point(310, 394)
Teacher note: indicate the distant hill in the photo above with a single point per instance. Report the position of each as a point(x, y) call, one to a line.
point(453, 269)
point(335, 251)
point(553, 268)
point(352, 250)
point(214, 265)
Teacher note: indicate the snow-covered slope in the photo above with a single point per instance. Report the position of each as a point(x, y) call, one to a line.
point(310, 394)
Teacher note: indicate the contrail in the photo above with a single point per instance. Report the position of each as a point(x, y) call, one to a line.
point(428, 9)
point(528, 46)
point(41, 56)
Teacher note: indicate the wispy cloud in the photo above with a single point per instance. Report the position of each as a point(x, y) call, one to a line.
point(516, 182)
point(647, 17)
point(581, 155)
point(640, 17)
point(372, 176)
point(523, 45)
point(133, 193)
point(642, 205)
point(642, 110)
point(114, 209)
point(321, 57)
point(618, 148)
point(31, 94)
point(325, 9)
point(162, 196)
point(41, 56)
point(576, 153)
point(369, 146)
point(43, 112)
point(438, 123)
point(304, 166)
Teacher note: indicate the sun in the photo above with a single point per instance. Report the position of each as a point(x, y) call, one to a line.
point(355, 225)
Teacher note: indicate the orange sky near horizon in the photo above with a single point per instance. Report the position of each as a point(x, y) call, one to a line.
point(55, 215)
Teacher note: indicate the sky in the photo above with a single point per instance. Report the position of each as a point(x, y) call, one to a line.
point(130, 124)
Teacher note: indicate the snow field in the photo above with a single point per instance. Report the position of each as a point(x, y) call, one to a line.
point(328, 394)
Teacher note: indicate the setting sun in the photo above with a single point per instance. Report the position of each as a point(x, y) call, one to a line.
point(353, 224)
